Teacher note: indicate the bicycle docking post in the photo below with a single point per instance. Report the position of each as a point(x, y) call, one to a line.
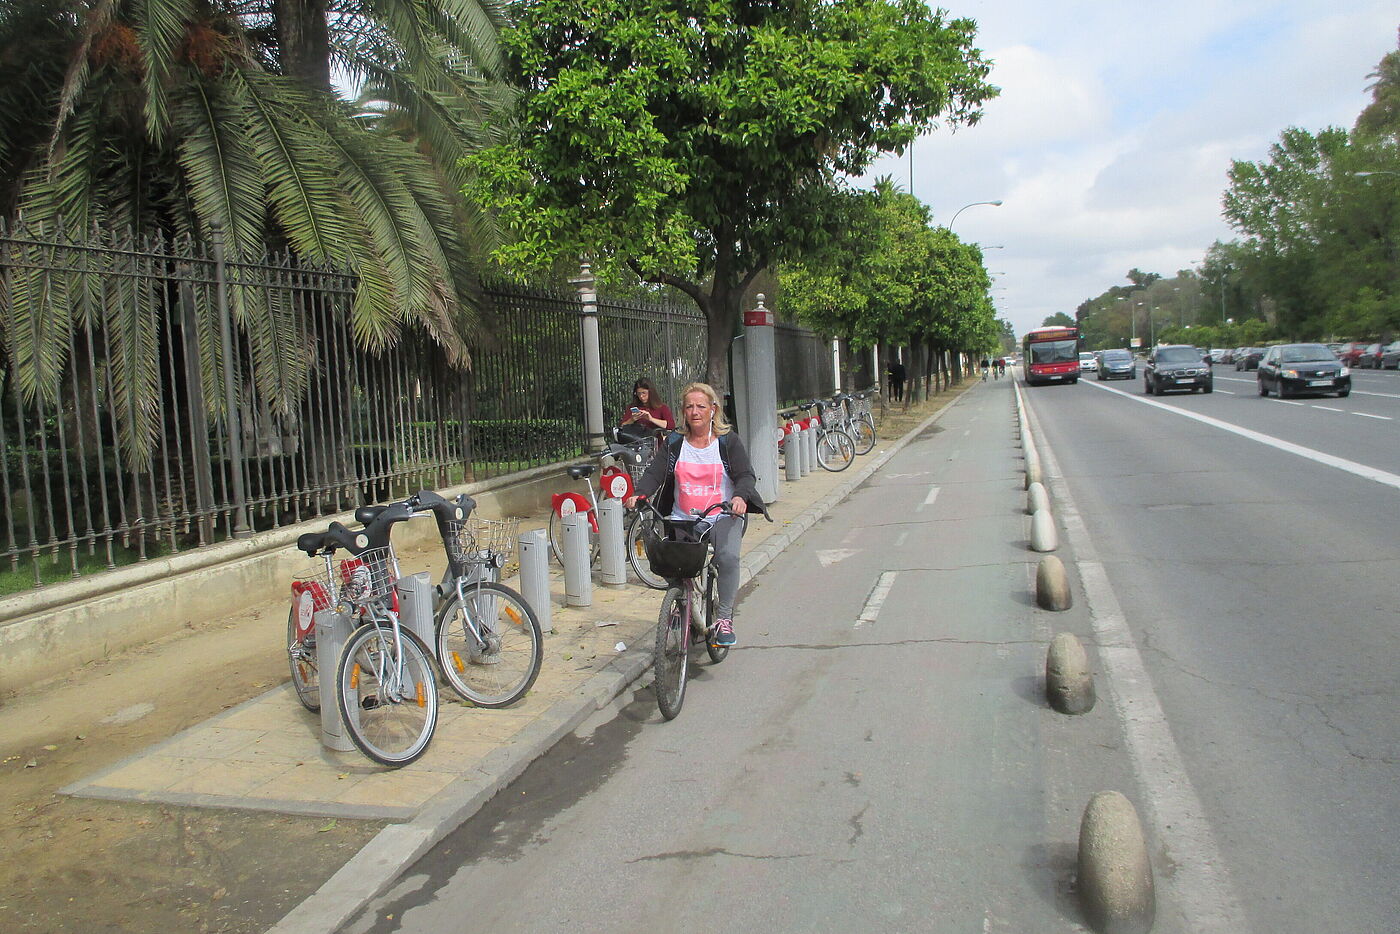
point(578, 580)
point(792, 460)
point(613, 550)
point(332, 629)
point(809, 450)
point(416, 607)
point(534, 576)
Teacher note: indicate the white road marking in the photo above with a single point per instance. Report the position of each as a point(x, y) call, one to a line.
point(930, 498)
point(1321, 457)
point(1206, 896)
point(831, 556)
point(1384, 418)
point(1383, 395)
point(1226, 391)
point(877, 598)
point(1286, 402)
point(1328, 408)
point(899, 541)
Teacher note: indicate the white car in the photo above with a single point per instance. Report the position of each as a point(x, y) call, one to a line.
point(1088, 363)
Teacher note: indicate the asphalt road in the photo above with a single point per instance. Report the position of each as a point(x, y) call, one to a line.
point(1262, 581)
point(876, 755)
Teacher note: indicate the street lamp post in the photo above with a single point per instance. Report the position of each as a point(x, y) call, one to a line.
point(995, 204)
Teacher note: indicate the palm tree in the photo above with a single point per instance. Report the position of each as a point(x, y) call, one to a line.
point(186, 115)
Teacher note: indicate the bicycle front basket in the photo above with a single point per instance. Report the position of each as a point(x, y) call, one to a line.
point(675, 560)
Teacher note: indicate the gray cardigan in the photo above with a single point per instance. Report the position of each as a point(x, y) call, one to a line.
point(658, 482)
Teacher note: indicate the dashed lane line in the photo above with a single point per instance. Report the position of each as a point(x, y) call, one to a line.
point(877, 599)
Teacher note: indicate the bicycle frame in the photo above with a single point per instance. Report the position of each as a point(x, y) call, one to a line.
point(371, 611)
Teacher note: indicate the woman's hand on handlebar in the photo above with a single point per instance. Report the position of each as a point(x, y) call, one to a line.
point(737, 506)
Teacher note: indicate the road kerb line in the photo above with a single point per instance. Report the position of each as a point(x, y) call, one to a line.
point(1204, 893)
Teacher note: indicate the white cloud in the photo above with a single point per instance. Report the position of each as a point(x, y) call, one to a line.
point(1117, 124)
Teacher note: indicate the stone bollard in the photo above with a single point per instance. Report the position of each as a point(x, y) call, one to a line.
point(1044, 537)
point(612, 557)
point(1037, 498)
point(1034, 472)
point(1052, 585)
point(1069, 684)
point(534, 576)
point(1115, 875)
point(578, 578)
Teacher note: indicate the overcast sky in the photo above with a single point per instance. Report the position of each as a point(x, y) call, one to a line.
point(1116, 124)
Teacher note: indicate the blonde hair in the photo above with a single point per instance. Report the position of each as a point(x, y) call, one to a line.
point(717, 422)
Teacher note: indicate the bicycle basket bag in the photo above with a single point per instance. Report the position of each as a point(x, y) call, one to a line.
point(675, 560)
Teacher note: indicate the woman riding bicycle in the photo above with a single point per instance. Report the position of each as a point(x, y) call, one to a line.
point(707, 464)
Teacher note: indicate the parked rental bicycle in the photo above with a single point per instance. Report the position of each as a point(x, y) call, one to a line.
point(861, 428)
point(679, 551)
point(488, 638)
point(573, 503)
point(385, 682)
point(835, 448)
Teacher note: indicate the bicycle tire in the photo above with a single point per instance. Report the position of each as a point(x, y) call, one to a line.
point(510, 627)
point(556, 541)
point(863, 434)
point(394, 733)
point(301, 659)
point(718, 653)
point(672, 657)
point(835, 450)
point(637, 552)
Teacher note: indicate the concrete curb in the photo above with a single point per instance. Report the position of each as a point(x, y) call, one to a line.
point(371, 871)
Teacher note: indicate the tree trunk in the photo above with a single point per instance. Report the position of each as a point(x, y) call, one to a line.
point(304, 40)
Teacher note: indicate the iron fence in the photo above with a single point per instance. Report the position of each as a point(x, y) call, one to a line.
point(139, 353)
point(804, 365)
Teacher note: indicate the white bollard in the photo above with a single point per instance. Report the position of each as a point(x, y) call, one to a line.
point(578, 581)
point(809, 450)
point(792, 458)
point(534, 576)
point(612, 558)
point(332, 629)
point(416, 607)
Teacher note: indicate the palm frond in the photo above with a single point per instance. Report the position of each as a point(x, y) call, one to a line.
point(164, 24)
point(98, 19)
point(220, 166)
point(132, 331)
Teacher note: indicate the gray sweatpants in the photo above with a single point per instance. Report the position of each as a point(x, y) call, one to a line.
point(727, 536)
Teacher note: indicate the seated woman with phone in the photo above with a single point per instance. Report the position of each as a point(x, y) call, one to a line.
point(646, 412)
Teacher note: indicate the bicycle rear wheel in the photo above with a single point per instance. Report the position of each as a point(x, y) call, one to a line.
point(637, 529)
point(301, 658)
point(499, 667)
point(556, 541)
point(863, 434)
point(389, 704)
point(672, 656)
point(835, 450)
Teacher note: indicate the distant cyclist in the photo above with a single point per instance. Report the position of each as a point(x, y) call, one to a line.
point(1001, 367)
point(986, 365)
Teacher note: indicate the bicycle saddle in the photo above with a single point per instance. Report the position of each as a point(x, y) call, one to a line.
point(379, 528)
point(336, 536)
point(579, 471)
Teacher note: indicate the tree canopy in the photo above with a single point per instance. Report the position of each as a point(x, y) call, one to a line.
point(686, 143)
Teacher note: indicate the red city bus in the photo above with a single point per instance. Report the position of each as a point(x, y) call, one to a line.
point(1051, 355)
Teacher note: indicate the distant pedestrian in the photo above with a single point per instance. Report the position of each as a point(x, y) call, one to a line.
point(897, 374)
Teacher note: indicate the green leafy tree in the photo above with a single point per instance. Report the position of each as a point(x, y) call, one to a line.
point(1058, 320)
point(688, 144)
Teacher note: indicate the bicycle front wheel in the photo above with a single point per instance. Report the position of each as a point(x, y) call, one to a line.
point(644, 522)
point(388, 700)
point(672, 654)
point(556, 541)
point(863, 434)
point(301, 658)
point(490, 645)
point(835, 450)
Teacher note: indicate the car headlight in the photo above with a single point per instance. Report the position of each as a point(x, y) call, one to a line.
point(1291, 374)
point(1345, 371)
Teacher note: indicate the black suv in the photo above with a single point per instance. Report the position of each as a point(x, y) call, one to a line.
point(1176, 366)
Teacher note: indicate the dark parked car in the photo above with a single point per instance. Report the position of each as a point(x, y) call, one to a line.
point(1370, 358)
point(1390, 356)
point(1117, 364)
point(1288, 369)
point(1247, 358)
point(1176, 366)
point(1352, 352)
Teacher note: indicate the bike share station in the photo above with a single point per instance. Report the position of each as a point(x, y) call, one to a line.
point(272, 753)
